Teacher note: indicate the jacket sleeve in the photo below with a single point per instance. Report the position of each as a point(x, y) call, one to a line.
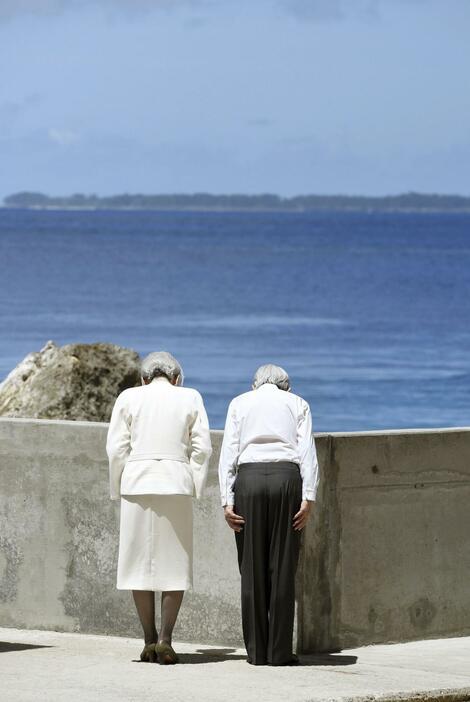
point(307, 454)
point(201, 447)
point(118, 444)
point(229, 457)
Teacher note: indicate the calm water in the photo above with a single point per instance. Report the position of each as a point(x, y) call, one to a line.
point(369, 313)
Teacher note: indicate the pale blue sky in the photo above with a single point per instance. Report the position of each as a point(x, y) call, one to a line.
point(285, 96)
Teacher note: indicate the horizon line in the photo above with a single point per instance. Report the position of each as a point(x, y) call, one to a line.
point(260, 193)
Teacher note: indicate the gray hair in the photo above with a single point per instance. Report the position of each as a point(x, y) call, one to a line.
point(271, 374)
point(161, 363)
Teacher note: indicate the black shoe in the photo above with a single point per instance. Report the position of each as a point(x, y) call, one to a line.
point(292, 661)
point(248, 660)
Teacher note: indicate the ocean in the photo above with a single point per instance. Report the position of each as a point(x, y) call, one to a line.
point(369, 313)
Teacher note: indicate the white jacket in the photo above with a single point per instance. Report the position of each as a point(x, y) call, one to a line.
point(158, 441)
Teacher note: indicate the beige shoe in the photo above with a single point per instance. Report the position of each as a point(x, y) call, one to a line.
point(166, 654)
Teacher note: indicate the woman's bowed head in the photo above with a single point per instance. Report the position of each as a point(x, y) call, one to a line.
point(271, 374)
point(268, 474)
point(161, 364)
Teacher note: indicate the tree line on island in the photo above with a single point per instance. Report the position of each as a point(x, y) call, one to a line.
point(407, 202)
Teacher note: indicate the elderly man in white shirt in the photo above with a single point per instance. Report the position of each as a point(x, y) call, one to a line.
point(268, 475)
point(158, 447)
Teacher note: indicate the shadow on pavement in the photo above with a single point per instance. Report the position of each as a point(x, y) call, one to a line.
point(208, 655)
point(327, 659)
point(211, 655)
point(6, 646)
point(221, 655)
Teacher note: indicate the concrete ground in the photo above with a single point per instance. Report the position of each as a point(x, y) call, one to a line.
point(43, 665)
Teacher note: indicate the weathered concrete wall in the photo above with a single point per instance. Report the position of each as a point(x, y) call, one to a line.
point(385, 558)
point(388, 557)
point(59, 536)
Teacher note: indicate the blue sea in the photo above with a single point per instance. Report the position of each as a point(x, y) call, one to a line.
point(369, 313)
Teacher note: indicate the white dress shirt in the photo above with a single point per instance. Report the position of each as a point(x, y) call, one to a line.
point(268, 425)
point(158, 441)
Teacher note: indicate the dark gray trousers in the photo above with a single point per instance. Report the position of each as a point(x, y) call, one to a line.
point(267, 496)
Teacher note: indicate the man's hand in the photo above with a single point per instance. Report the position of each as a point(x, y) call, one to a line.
point(301, 518)
point(234, 521)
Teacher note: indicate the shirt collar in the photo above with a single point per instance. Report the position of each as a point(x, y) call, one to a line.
point(268, 386)
point(160, 379)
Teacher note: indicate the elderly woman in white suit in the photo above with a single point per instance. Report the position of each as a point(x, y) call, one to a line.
point(158, 448)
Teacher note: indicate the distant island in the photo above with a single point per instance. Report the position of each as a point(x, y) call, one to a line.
point(407, 202)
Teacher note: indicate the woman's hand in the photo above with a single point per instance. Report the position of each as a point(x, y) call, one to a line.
point(301, 518)
point(234, 521)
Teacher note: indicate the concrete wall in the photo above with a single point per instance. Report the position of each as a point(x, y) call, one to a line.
point(385, 558)
point(388, 557)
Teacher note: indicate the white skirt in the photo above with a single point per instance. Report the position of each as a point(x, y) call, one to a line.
point(155, 543)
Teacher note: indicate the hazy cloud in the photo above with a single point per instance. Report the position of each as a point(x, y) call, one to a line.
point(11, 111)
point(314, 10)
point(334, 10)
point(260, 122)
point(63, 137)
point(13, 8)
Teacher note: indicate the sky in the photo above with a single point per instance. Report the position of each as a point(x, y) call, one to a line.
point(284, 96)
